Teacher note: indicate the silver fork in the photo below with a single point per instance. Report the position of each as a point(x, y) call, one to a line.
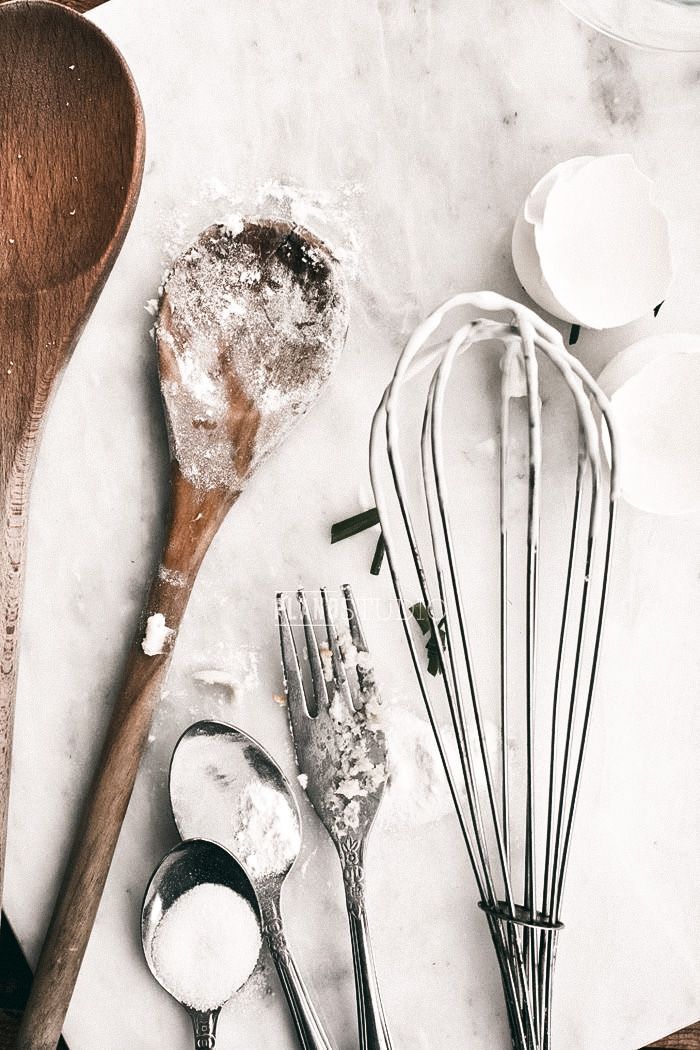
point(342, 752)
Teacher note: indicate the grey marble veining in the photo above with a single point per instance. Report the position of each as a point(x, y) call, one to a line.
point(411, 133)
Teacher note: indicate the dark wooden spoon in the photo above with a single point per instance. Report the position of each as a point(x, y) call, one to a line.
point(251, 323)
point(72, 145)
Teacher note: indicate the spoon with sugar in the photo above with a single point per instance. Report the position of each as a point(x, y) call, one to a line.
point(251, 322)
point(225, 786)
point(200, 930)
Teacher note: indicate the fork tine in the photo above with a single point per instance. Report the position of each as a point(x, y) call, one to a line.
point(356, 632)
point(364, 668)
point(340, 678)
point(318, 678)
point(293, 682)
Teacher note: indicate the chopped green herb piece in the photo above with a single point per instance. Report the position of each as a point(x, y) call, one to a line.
point(378, 559)
point(342, 530)
point(433, 648)
point(574, 334)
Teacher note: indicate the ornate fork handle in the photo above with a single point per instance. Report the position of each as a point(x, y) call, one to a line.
point(306, 1020)
point(373, 1029)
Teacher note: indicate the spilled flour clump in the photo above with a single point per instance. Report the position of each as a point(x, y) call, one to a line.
point(158, 635)
point(206, 946)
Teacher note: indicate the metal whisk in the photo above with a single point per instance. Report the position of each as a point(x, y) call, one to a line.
point(518, 845)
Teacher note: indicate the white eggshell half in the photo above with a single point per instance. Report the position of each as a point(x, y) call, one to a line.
point(525, 256)
point(654, 386)
point(590, 244)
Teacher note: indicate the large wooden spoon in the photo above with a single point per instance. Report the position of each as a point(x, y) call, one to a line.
point(71, 158)
point(250, 325)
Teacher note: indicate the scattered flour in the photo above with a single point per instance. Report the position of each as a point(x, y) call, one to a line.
point(333, 215)
point(418, 793)
point(257, 319)
point(266, 830)
point(172, 576)
point(355, 760)
point(206, 946)
point(212, 676)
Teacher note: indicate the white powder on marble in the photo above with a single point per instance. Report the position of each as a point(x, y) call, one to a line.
point(157, 635)
point(418, 793)
point(206, 946)
point(251, 818)
point(333, 214)
point(213, 676)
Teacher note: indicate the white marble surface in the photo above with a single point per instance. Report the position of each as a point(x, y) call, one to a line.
point(418, 128)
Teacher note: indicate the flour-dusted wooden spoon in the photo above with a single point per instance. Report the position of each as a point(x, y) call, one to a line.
point(251, 323)
point(71, 158)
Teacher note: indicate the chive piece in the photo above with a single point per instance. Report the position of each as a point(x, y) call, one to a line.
point(657, 308)
point(420, 613)
point(378, 559)
point(342, 530)
point(574, 334)
point(433, 647)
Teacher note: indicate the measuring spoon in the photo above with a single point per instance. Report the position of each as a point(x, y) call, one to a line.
point(190, 864)
point(225, 786)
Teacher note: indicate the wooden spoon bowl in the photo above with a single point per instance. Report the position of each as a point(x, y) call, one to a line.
point(72, 148)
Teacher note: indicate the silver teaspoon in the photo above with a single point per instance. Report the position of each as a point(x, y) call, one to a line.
point(188, 868)
point(225, 786)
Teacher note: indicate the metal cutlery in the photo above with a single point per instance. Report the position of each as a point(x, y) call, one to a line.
point(341, 750)
point(215, 763)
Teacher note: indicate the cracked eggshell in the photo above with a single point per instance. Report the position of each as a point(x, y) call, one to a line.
point(654, 386)
point(590, 245)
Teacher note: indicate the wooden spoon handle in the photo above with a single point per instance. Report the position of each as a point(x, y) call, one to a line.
point(95, 843)
point(76, 5)
point(12, 548)
point(192, 527)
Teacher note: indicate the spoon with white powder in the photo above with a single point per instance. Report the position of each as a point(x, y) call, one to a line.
point(200, 930)
point(226, 787)
point(251, 322)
